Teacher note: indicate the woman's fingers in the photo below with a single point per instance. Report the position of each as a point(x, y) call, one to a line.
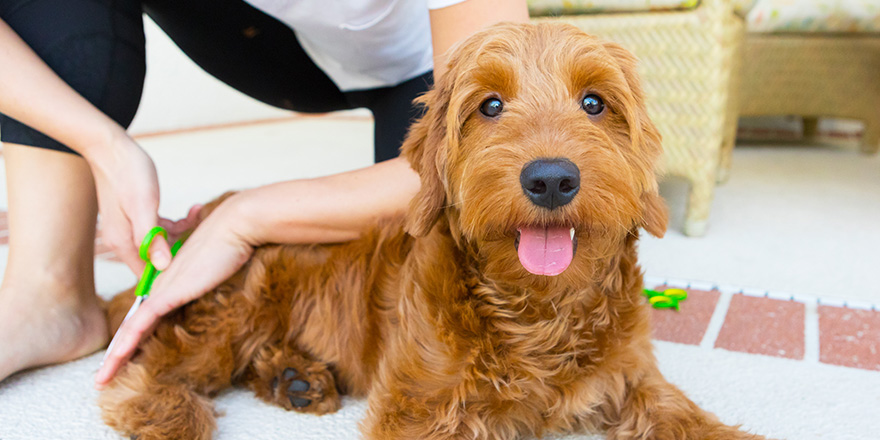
point(185, 224)
point(117, 234)
point(177, 228)
point(126, 341)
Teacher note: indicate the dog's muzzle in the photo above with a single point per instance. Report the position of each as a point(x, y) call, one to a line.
point(550, 184)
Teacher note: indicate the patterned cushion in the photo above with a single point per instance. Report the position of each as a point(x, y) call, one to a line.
point(560, 7)
point(833, 16)
point(742, 7)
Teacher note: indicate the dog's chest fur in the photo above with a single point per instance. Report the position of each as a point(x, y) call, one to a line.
point(509, 346)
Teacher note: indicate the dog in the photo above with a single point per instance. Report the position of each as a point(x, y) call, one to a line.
point(505, 304)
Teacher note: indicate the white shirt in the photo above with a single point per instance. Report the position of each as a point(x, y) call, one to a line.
point(361, 44)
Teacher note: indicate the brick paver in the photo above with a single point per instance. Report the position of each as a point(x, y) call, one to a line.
point(687, 325)
point(849, 337)
point(763, 326)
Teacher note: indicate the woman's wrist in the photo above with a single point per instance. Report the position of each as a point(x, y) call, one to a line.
point(100, 142)
point(247, 217)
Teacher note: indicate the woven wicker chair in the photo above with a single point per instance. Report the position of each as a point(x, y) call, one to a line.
point(812, 76)
point(818, 58)
point(686, 62)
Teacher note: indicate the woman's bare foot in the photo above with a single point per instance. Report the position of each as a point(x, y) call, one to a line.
point(48, 309)
point(47, 324)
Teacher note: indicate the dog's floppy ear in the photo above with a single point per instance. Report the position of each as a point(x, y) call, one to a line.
point(655, 214)
point(425, 148)
point(646, 141)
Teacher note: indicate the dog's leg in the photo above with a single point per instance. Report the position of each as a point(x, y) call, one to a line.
point(654, 409)
point(164, 392)
point(147, 407)
point(292, 379)
point(420, 409)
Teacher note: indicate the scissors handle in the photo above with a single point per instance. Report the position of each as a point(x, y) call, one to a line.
point(150, 272)
point(144, 250)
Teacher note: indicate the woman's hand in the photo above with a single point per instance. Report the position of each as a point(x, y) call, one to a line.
point(218, 248)
point(128, 199)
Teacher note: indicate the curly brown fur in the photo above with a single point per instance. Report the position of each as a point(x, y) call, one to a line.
point(442, 328)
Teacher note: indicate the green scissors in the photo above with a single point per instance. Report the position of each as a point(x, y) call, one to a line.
point(667, 299)
point(142, 291)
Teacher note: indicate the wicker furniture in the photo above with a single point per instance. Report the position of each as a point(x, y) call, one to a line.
point(812, 65)
point(686, 57)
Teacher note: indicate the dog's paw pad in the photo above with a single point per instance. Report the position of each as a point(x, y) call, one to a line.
point(310, 389)
point(299, 402)
point(289, 373)
point(297, 389)
point(298, 386)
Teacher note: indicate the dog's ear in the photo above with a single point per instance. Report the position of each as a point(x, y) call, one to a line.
point(655, 214)
point(646, 140)
point(644, 136)
point(426, 148)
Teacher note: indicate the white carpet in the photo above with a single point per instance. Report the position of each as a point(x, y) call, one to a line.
point(776, 397)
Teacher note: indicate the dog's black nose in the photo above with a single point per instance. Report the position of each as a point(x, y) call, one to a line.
point(550, 183)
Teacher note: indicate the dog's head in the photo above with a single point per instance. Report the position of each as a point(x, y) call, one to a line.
point(536, 138)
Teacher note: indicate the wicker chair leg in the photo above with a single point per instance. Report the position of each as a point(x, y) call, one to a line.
point(723, 174)
point(731, 118)
point(702, 191)
point(811, 127)
point(871, 138)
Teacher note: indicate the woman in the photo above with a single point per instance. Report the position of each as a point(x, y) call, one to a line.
point(363, 53)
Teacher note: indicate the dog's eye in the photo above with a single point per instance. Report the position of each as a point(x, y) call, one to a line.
point(492, 107)
point(593, 104)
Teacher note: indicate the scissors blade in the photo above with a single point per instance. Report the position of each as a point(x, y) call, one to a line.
point(137, 303)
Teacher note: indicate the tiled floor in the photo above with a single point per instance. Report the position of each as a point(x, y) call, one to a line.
point(759, 324)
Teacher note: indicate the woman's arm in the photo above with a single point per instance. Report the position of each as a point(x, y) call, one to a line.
point(125, 178)
point(322, 210)
point(452, 24)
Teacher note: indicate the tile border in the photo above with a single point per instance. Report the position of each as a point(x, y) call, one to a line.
point(750, 291)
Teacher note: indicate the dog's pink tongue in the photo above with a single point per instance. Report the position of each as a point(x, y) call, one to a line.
point(545, 251)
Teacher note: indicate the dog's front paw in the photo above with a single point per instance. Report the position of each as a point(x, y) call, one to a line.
point(311, 389)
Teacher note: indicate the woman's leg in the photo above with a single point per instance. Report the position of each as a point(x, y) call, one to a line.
point(48, 309)
point(393, 112)
point(249, 50)
point(261, 57)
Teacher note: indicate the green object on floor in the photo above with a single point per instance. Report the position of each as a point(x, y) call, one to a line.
point(667, 299)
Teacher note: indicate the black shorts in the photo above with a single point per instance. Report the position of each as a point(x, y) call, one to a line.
point(97, 46)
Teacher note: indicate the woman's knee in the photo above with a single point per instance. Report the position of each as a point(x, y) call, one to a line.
point(96, 46)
